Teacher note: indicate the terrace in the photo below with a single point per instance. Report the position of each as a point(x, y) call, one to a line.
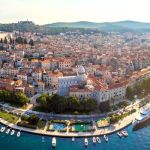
point(103, 123)
point(57, 125)
point(80, 126)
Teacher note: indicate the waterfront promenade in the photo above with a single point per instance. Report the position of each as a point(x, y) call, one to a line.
point(99, 131)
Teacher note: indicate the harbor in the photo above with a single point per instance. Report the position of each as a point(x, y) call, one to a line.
point(45, 142)
point(95, 140)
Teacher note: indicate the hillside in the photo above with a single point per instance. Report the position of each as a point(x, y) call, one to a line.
point(82, 26)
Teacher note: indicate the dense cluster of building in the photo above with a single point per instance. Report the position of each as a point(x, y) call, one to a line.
point(100, 66)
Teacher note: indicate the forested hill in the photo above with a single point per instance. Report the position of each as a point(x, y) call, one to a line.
point(28, 26)
point(82, 26)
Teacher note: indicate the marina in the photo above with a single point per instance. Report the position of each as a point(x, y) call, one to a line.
point(9, 131)
point(114, 141)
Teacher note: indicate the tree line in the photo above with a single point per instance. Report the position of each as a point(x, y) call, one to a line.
point(60, 104)
point(15, 98)
point(141, 89)
point(18, 40)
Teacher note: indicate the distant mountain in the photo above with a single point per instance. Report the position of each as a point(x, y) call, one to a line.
point(106, 26)
point(82, 26)
point(28, 26)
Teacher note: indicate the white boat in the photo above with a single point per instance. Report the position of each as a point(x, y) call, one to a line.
point(18, 134)
point(53, 142)
point(3, 129)
point(7, 131)
point(73, 139)
point(86, 142)
point(12, 132)
point(106, 138)
point(98, 139)
point(119, 133)
point(94, 140)
point(124, 132)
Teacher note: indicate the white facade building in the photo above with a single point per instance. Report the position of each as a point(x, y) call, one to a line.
point(64, 83)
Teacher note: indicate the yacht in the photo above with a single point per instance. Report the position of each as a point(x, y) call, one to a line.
point(12, 132)
point(106, 138)
point(18, 134)
point(98, 139)
point(94, 140)
point(53, 142)
point(3, 129)
point(86, 142)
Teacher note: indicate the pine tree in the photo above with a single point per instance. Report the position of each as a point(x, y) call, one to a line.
point(1, 41)
point(5, 40)
point(31, 42)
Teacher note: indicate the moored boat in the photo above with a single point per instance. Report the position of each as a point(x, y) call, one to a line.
point(106, 138)
point(73, 139)
point(3, 129)
point(12, 132)
point(119, 133)
point(18, 134)
point(98, 139)
point(124, 133)
point(7, 131)
point(86, 142)
point(53, 142)
point(94, 140)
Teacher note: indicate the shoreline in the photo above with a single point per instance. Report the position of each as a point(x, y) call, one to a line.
point(40, 134)
point(64, 135)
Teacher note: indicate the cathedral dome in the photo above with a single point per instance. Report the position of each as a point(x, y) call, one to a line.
point(81, 70)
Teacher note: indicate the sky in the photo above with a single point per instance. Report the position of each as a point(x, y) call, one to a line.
point(49, 11)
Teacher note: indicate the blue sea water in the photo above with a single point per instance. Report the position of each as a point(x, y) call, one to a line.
point(139, 140)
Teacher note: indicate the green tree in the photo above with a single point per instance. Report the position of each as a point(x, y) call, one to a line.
point(104, 106)
point(90, 104)
point(25, 41)
point(33, 119)
point(21, 99)
point(130, 93)
point(1, 41)
point(42, 100)
point(31, 42)
point(5, 40)
point(73, 103)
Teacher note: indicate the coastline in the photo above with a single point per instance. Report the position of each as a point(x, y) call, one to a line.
point(99, 132)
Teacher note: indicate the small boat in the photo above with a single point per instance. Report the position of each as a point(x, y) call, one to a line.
point(18, 134)
point(98, 139)
point(73, 139)
point(119, 133)
point(53, 142)
point(12, 132)
point(3, 129)
point(124, 133)
point(94, 140)
point(7, 131)
point(43, 139)
point(86, 142)
point(106, 138)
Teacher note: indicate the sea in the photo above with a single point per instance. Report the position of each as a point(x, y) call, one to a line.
point(136, 140)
